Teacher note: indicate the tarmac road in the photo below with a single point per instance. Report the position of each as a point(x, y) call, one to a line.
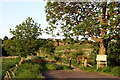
point(76, 75)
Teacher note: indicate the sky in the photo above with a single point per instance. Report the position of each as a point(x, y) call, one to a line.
point(14, 12)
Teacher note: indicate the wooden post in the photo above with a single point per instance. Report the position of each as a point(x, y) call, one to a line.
point(70, 62)
point(7, 76)
point(85, 63)
point(89, 65)
point(15, 67)
point(12, 72)
point(99, 63)
point(21, 61)
point(82, 61)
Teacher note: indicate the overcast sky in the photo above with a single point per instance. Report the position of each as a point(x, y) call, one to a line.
point(14, 12)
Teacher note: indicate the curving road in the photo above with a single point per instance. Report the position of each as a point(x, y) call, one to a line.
point(76, 75)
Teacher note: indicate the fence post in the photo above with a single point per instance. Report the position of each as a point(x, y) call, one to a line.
point(85, 63)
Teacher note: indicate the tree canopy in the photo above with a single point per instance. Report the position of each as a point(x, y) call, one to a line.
point(25, 38)
point(97, 20)
point(5, 38)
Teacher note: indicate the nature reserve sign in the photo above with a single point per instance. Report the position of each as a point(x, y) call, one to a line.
point(101, 59)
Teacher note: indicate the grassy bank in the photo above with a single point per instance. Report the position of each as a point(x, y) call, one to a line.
point(31, 68)
point(115, 71)
point(8, 63)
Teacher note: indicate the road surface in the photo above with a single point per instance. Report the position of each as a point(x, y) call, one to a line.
point(76, 75)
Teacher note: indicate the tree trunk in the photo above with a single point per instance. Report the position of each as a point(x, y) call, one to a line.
point(103, 48)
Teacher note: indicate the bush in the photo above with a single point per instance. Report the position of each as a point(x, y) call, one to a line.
point(89, 69)
point(116, 71)
point(106, 69)
point(29, 70)
point(65, 67)
point(57, 58)
point(37, 58)
point(113, 53)
point(52, 66)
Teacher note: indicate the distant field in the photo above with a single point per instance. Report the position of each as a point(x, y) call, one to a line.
point(87, 48)
point(74, 46)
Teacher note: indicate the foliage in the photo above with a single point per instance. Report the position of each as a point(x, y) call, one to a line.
point(4, 52)
point(48, 48)
point(25, 38)
point(37, 58)
point(77, 53)
point(72, 14)
point(57, 58)
point(28, 69)
point(116, 71)
point(59, 53)
point(108, 70)
point(74, 46)
point(5, 38)
point(105, 69)
point(65, 67)
point(94, 54)
point(88, 19)
point(89, 69)
point(9, 48)
point(52, 66)
point(114, 53)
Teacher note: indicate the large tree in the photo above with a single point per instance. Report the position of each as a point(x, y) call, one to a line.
point(97, 20)
point(24, 41)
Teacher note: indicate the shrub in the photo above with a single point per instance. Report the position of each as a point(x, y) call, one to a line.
point(57, 58)
point(116, 71)
point(113, 52)
point(51, 66)
point(90, 69)
point(37, 58)
point(29, 70)
point(65, 67)
point(106, 69)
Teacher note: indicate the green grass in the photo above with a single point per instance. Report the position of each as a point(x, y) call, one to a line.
point(115, 71)
point(31, 69)
point(7, 63)
point(65, 67)
point(74, 46)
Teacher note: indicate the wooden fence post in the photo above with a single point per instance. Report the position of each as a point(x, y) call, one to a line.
point(7, 76)
point(85, 63)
